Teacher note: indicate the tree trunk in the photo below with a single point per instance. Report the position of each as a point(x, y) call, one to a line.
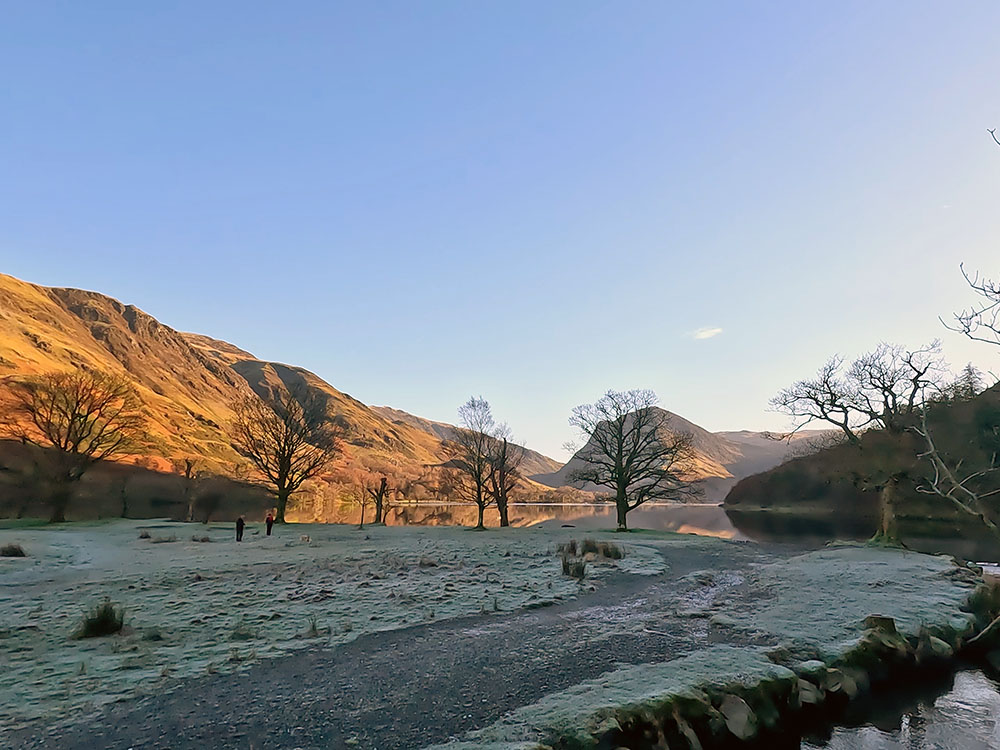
point(379, 500)
point(59, 500)
point(502, 507)
point(480, 524)
point(622, 507)
point(361, 525)
point(888, 532)
point(282, 500)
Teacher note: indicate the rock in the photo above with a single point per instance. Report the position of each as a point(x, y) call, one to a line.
point(687, 732)
point(933, 648)
point(880, 623)
point(837, 681)
point(809, 694)
point(741, 721)
point(811, 668)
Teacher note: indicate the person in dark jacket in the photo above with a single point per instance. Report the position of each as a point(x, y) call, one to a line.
point(269, 521)
point(240, 523)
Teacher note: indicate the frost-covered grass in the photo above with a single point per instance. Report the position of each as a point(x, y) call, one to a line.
point(194, 607)
point(818, 600)
point(813, 603)
point(579, 710)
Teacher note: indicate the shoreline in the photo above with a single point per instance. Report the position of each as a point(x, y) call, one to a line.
point(609, 661)
point(755, 697)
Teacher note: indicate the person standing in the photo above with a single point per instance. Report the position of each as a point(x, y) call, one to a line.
point(240, 523)
point(269, 521)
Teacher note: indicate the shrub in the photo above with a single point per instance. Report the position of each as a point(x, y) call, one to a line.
point(610, 551)
point(197, 538)
point(569, 548)
point(12, 550)
point(144, 534)
point(601, 549)
point(163, 539)
point(574, 568)
point(104, 619)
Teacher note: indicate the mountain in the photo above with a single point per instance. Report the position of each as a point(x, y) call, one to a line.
point(720, 458)
point(187, 383)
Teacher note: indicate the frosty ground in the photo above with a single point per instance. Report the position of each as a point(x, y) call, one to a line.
point(423, 635)
point(197, 606)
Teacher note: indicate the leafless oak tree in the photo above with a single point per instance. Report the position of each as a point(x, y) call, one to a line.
point(631, 450)
point(505, 460)
point(473, 441)
point(82, 417)
point(882, 388)
point(289, 440)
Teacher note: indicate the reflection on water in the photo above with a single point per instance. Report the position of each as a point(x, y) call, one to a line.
point(706, 520)
point(960, 713)
point(816, 530)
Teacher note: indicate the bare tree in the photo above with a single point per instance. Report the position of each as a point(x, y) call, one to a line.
point(473, 440)
point(379, 496)
point(631, 450)
point(826, 398)
point(289, 441)
point(190, 468)
point(882, 388)
point(83, 417)
point(505, 460)
point(889, 383)
point(360, 496)
point(981, 321)
point(961, 482)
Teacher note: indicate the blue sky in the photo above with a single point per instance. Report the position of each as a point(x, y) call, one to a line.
point(535, 202)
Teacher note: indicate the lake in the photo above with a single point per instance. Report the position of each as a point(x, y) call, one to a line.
point(705, 520)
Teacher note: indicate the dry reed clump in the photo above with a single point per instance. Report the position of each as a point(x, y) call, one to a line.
point(574, 568)
point(104, 619)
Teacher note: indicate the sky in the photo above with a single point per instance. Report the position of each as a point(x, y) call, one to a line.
point(532, 202)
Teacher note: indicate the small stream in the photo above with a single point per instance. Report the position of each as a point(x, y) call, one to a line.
point(958, 712)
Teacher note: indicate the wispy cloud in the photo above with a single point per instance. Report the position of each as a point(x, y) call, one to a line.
point(705, 333)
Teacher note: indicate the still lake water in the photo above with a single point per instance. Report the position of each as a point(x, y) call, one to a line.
point(704, 520)
point(958, 712)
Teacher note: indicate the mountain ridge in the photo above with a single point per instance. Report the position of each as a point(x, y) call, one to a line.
point(188, 382)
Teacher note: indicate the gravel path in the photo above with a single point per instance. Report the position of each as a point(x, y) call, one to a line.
point(417, 686)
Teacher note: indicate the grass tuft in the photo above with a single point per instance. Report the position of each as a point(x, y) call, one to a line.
point(242, 632)
point(104, 619)
point(12, 550)
point(574, 568)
